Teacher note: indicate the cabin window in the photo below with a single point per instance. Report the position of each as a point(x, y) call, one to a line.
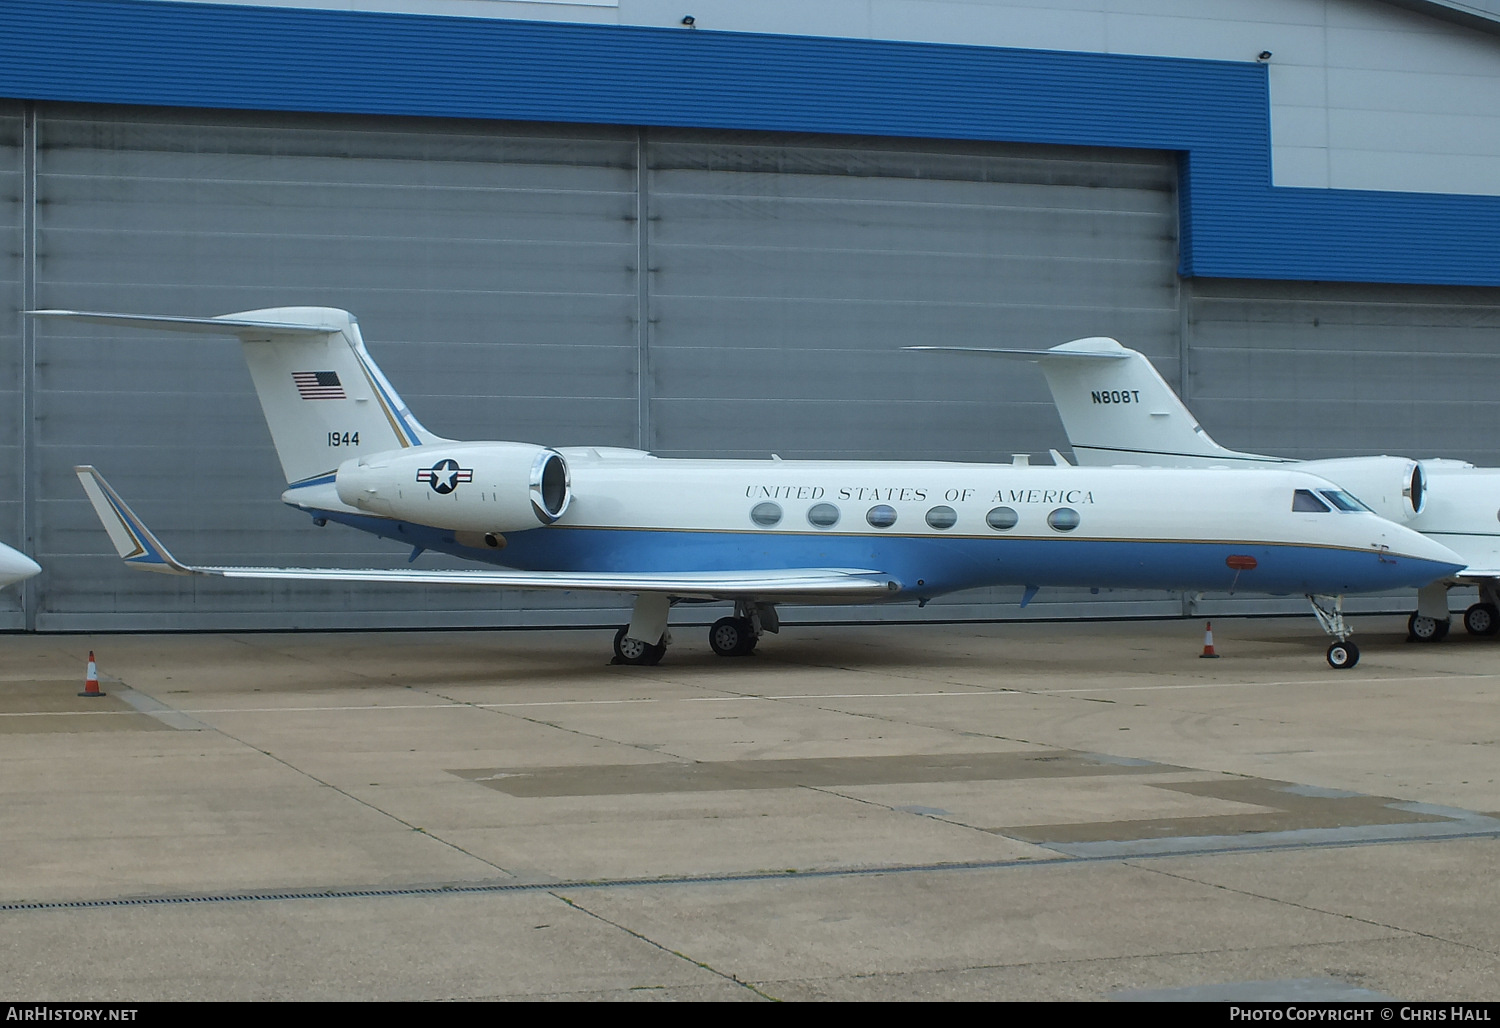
point(1341, 499)
point(1064, 519)
point(942, 517)
point(1002, 518)
point(766, 514)
point(823, 515)
point(881, 516)
point(1304, 500)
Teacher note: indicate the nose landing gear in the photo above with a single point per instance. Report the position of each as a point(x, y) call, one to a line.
point(1329, 610)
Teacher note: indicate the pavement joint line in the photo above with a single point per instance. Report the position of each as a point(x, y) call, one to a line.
point(553, 886)
point(152, 707)
point(522, 705)
point(727, 976)
point(969, 692)
point(1302, 681)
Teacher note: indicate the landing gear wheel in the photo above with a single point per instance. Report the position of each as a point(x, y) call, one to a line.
point(1482, 619)
point(1425, 629)
point(633, 651)
point(732, 637)
point(1342, 656)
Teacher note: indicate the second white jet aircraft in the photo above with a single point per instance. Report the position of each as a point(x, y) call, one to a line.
point(1117, 409)
point(757, 533)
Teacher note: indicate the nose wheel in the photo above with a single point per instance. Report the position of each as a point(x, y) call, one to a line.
point(1329, 610)
point(1342, 655)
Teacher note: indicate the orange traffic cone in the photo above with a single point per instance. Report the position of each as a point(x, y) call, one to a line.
point(91, 682)
point(1208, 640)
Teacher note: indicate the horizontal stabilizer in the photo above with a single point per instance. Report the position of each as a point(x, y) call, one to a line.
point(1029, 355)
point(228, 324)
point(324, 398)
point(141, 549)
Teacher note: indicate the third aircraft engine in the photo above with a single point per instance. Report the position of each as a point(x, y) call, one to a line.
point(1393, 487)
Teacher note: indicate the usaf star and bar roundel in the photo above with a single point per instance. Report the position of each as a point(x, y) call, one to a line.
point(445, 475)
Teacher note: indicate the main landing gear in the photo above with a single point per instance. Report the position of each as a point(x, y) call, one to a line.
point(1329, 610)
point(633, 651)
point(644, 641)
point(1423, 629)
point(734, 636)
point(737, 636)
point(1430, 622)
point(1482, 619)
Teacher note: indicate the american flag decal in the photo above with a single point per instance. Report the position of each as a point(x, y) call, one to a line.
point(318, 385)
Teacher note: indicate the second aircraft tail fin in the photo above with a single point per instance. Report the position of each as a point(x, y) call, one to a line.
point(1117, 409)
point(325, 400)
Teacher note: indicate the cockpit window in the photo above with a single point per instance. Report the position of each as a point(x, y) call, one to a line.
point(1304, 500)
point(1342, 500)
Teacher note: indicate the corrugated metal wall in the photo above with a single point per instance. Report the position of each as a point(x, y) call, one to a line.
point(1336, 369)
point(789, 273)
point(497, 271)
point(12, 352)
point(494, 268)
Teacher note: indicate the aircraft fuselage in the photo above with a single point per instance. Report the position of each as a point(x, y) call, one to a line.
point(934, 527)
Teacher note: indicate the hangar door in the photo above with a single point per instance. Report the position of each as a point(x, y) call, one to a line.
point(787, 273)
point(695, 293)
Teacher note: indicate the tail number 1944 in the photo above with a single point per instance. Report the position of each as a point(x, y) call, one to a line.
point(343, 438)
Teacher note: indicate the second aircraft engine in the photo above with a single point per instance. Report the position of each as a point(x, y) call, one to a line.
point(467, 487)
point(1393, 487)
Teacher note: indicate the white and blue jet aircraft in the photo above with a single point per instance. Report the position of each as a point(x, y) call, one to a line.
point(758, 533)
point(1117, 409)
point(15, 566)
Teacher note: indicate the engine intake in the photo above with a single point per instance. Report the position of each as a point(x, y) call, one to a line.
point(485, 488)
point(1393, 487)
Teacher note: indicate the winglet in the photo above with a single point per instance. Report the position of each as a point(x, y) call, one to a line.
point(133, 540)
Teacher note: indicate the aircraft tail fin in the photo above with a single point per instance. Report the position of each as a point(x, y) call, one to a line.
point(1117, 409)
point(325, 400)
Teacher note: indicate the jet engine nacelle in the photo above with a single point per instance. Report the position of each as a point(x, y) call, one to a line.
point(487, 488)
point(1393, 487)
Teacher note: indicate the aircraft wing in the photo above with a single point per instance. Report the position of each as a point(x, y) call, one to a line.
point(1481, 554)
point(139, 548)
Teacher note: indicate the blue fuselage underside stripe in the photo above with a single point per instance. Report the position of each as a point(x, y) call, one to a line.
point(939, 564)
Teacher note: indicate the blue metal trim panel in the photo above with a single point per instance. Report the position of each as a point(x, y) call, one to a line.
point(1217, 114)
